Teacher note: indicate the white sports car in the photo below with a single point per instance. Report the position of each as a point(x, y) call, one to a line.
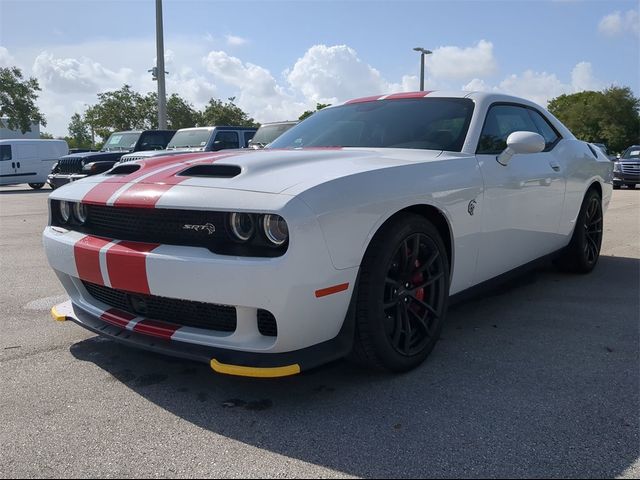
point(348, 235)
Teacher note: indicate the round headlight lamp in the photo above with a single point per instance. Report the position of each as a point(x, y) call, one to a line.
point(242, 225)
point(65, 211)
point(275, 229)
point(80, 212)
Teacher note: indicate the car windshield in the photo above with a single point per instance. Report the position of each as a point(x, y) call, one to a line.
point(632, 153)
point(121, 141)
point(190, 138)
point(268, 133)
point(421, 123)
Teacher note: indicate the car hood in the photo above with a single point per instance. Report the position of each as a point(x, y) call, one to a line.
point(268, 171)
point(96, 156)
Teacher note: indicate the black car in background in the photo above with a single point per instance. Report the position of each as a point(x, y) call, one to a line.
point(626, 169)
point(79, 165)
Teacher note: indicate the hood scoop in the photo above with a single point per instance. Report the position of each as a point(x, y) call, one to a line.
point(125, 169)
point(212, 171)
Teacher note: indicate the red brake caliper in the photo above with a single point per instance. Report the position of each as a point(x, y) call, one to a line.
point(417, 279)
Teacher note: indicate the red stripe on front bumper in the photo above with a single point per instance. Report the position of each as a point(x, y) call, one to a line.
point(156, 328)
point(86, 252)
point(117, 317)
point(127, 266)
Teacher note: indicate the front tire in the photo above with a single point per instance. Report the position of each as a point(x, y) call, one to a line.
point(582, 253)
point(36, 186)
point(402, 295)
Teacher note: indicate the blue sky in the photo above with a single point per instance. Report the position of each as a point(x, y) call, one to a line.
point(279, 58)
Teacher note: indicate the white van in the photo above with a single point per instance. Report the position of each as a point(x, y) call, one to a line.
point(29, 161)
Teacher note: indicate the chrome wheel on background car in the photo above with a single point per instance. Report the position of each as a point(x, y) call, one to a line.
point(402, 295)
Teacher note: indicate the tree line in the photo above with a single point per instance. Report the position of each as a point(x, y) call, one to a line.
point(610, 116)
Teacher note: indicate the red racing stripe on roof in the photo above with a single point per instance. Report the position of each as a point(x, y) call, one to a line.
point(86, 253)
point(364, 99)
point(117, 317)
point(127, 266)
point(156, 328)
point(398, 96)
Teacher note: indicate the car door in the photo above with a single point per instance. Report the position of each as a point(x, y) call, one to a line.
point(226, 140)
point(7, 164)
point(27, 163)
point(523, 201)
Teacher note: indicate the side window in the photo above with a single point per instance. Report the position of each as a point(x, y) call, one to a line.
point(5, 153)
point(502, 121)
point(153, 141)
point(226, 140)
point(544, 129)
point(248, 136)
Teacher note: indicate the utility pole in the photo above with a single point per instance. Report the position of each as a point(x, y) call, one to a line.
point(159, 70)
point(423, 52)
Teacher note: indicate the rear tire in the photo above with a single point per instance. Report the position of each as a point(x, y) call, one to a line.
point(582, 253)
point(36, 186)
point(402, 295)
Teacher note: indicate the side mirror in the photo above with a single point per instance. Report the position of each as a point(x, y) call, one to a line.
point(521, 142)
point(618, 157)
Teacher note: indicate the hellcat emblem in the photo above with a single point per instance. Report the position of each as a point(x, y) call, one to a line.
point(210, 228)
point(472, 207)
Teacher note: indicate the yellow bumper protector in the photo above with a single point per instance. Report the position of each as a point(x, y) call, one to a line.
point(57, 316)
point(272, 372)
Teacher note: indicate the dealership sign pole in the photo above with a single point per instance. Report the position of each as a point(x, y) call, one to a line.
point(162, 96)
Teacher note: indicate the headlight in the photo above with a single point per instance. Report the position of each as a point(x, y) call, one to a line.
point(65, 211)
point(275, 229)
point(242, 225)
point(80, 212)
point(90, 167)
point(616, 167)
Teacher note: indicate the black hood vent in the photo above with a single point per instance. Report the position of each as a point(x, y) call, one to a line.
point(125, 169)
point(212, 171)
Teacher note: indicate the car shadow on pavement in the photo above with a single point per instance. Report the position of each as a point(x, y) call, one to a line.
point(535, 378)
point(22, 192)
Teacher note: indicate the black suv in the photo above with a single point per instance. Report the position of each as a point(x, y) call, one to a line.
point(626, 170)
point(79, 165)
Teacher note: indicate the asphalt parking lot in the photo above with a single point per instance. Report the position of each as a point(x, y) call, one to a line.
point(537, 378)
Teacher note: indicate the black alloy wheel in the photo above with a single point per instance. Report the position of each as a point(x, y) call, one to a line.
point(413, 294)
point(402, 295)
point(593, 230)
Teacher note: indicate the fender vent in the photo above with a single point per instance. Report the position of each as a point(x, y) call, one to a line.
point(213, 171)
point(124, 169)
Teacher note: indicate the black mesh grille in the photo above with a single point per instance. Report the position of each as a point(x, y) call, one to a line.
point(188, 313)
point(157, 225)
point(267, 325)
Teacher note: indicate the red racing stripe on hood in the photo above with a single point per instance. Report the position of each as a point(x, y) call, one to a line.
point(127, 266)
point(86, 253)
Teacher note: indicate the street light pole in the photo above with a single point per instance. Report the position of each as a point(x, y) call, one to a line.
point(423, 52)
point(162, 94)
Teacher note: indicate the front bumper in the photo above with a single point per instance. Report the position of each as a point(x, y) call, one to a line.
point(222, 361)
point(56, 180)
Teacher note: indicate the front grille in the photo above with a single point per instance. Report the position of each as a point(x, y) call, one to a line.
point(267, 325)
point(150, 225)
point(630, 168)
point(187, 313)
point(69, 165)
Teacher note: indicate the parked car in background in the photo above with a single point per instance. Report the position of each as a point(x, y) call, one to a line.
point(29, 161)
point(348, 234)
point(268, 132)
point(200, 139)
point(626, 169)
point(79, 165)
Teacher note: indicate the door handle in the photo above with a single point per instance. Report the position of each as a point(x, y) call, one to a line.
point(18, 164)
point(13, 164)
point(555, 165)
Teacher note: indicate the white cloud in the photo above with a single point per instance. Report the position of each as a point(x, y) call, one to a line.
point(462, 63)
point(6, 59)
point(333, 74)
point(541, 87)
point(69, 74)
point(234, 41)
point(617, 23)
point(257, 91)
